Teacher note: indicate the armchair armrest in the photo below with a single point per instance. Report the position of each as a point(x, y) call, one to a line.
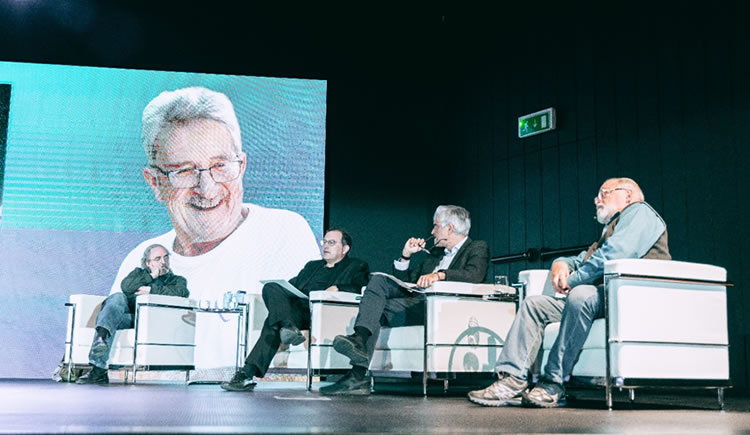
point(666, 269)
point(463, 288)
point(326, 296)
point(169, 301)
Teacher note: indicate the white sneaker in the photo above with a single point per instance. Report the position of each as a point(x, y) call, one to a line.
point(506, 391)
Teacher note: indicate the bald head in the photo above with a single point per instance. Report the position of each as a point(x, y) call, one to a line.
point(627, 183)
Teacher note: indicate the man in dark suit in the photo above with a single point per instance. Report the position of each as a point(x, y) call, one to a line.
point(287, 313)
point(455, 257)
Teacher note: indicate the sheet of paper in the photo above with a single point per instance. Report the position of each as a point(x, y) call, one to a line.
point(407, 285)
point(288, 287)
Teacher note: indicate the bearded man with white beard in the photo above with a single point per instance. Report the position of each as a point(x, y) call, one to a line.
point(195, 166)
point(632, 230)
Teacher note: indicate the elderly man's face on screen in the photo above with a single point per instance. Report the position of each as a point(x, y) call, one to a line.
point(199, 171)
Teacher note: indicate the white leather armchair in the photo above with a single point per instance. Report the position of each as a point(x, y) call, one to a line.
point(665, 325)
point(163, 337)
point(331, 314)
point(466, 325)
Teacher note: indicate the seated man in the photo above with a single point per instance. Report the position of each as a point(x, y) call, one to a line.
point(287, 313)
point(632, 230)
point(154, 277)
point(455, 257)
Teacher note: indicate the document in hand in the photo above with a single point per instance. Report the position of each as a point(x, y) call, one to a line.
point(288, 287)
point(407, 285)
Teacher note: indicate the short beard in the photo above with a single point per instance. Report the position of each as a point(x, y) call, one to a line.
point(603, 215)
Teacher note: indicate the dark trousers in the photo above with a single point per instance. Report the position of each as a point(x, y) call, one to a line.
point(384, 303)
point(283, 307)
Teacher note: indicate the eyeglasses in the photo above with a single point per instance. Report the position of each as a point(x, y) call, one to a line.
point(188, 178)
point(603, 193)
point(328, 242)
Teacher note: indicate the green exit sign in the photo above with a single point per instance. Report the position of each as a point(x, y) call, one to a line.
point(537, 122)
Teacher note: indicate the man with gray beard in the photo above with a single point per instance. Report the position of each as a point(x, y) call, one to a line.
point(632, 230)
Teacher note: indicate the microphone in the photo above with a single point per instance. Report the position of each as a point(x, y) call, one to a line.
point(434, 244)
point(423, 249)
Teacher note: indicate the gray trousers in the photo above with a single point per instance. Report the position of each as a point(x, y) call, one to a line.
point(576, 313)
point(115, 314)
point(386, 304)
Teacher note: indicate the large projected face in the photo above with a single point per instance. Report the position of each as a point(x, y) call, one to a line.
point(226, 172)
point(196, 172)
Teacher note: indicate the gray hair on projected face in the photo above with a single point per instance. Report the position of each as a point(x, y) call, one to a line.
point(184, 105)
point(453, 215)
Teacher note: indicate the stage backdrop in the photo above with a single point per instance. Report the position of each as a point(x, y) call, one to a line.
point(74, 201)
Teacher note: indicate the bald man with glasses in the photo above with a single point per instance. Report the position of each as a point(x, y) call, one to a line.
point(632, 229)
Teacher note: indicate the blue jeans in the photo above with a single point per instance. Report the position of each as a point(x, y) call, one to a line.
point(576, 313)
point(115, 314)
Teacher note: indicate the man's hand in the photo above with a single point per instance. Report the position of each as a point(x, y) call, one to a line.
point(332, 288)
point(560, 273)
point(413, 245)
point(425, 281)
point(143, 290)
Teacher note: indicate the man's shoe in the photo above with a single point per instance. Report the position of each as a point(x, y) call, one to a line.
point(506, 391)
point(95, 376)
point(99, 350)
point(348, 385)
point(291, 335)
point(545, 395)
point(240, 382)
point(353, 347)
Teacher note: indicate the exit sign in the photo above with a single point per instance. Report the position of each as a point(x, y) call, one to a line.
point(537, 122)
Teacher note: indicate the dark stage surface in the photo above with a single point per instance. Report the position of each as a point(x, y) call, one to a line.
point(33, 406)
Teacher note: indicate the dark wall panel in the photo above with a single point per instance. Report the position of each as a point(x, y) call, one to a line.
point(664, 101)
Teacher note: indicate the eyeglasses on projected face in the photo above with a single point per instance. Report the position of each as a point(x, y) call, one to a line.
point(220, 172)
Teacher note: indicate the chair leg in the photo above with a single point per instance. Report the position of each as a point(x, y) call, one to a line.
point(187, 376)
point(720, 396)
point(445, 385)
point(631, 394)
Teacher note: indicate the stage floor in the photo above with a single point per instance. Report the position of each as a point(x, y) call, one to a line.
point(40, 406)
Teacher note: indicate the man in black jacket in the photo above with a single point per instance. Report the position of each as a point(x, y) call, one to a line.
point(154, 277)
point(455, 257)
point(287, 313)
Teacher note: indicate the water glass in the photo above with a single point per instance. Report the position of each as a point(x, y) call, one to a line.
point(501, 283)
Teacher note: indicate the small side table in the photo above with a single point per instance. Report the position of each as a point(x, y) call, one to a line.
point(242, 312)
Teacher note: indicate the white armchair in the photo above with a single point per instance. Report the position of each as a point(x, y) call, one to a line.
point(163, 337)
point(665, 325)
point(466, 326)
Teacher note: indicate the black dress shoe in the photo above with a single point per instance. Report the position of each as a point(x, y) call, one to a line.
point(240, 382)
point(353, 347)
point(95, 376)
point(348, 385)
point(291, 335)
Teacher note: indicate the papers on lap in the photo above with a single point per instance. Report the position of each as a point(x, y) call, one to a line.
point(288, 287)
point(407, 285)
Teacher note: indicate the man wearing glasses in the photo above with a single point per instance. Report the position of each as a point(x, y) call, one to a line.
point(289, 313)
point(454, 257)
point(195, 166)
point(632, 230)
point(153, 277)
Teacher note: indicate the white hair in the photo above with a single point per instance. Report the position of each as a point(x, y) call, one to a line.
point(187, 104)
point(453, 215)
